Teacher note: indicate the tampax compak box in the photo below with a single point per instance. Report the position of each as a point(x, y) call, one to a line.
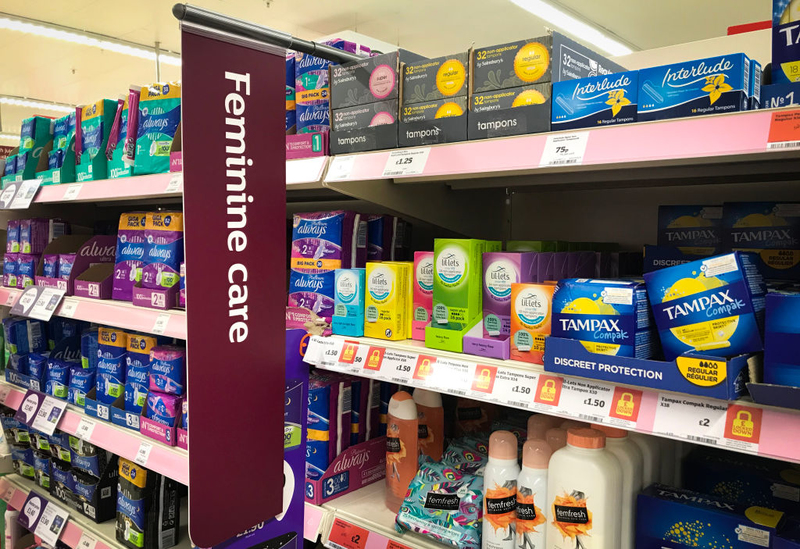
point(785, 42)
point(695, 230)
point(595, 101)
point(704, 86)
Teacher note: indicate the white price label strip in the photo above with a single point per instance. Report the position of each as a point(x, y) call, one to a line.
point(511, 387)
point(340, 168)
point(565, 149)
point(86, 542)
point(51, 523)
point(398, 367)
point(452, 376)
point(160, 325)
point(68, 307)
point(8, 195)
point(143, 454)
point(585, 400)
point(12, 297)
point(329, 355)
point(49, 415)
point(406, 162)
point(175, 183)
point(27, 191)
point(85, 429)
point(690, 418)
point(72, 191)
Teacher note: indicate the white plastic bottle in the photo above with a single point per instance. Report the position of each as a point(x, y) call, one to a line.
point(12, 528)
point(532, 495)
point(538, 424)
point(500, 492)
point(631, 462)
point(584, 478)
point(651, 454)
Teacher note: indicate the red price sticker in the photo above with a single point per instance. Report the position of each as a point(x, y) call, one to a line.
point(483, 381)
point(625, 404)
point(374, 359)
point(424, 368)
point(347, 536)
point(743, 427)
point(348, 353)
point(784, 131)
point(548, 390)
point(394, 545)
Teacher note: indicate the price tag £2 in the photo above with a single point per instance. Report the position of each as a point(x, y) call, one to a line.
point(347, 536)
point(406, 162)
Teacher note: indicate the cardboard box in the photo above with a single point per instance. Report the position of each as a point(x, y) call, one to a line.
point(695, 230)
point(785, 42)
point(514, 111)
point(95, 498)
point(364, 116)
point(780, 95)
point(694, 88)
point(595, 101)
point(90, 250)
point(434, 79)
point(369, 80)
point(550, 58)
point(441, 121)
point(356, 467)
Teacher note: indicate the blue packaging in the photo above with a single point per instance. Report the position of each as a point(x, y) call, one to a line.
point(41, 468)
point(87, 457)
point(312, 118)
point(18, 363)
point(595, 101)
point(24, 336)
point(329, 422)
point(658, 257)
point(669, 518)
point(163, 409)
point(704, 86)
point(60, 447)
point(712, 306)
point(37, 365)
point(16, 432)
point(26, 269)
point(56, 381)
point(12, 236)
point(59, 328)
point(50, 265)
point(695, 230)
point(291, 112)
point(110, 380)
point(112, 343)
point(61, 477)
point(348, 314)
point(775, 96)
point(168, 370)
point(136, 391)
point(782, 339)
point(90, 348)
point(785, 42)
point(313, 291)
point(607, 316)
point(755, 85)
point(10, 270)
point(185, 415)
point(22, 460)
point(81, 382)
point(771, 229)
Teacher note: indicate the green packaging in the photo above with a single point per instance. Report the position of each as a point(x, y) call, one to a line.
point(36, 132)
point(159, 117)
point(96, 122)
point(457, 290)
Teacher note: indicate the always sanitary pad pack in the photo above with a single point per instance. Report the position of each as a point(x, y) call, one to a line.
point(159, 116)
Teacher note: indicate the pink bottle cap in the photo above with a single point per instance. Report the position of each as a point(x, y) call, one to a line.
point(611, 432)
point(536, 454)
point(503, 445)
point(568, 424)
point(586, 438)
point(556, 438)
point(538, 425)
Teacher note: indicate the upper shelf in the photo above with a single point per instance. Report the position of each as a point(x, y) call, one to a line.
point(711, 148)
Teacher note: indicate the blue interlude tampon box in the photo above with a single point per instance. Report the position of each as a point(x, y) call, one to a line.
point(704, 86)
point(595, 101)
point(348, 312)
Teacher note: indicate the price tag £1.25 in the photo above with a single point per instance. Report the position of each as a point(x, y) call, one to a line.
point(406, 162)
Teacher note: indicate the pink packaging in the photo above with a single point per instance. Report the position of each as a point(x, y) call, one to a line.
point(362, 464)
point(423, 294)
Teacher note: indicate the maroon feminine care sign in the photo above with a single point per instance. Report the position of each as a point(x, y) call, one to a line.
point(235, 222)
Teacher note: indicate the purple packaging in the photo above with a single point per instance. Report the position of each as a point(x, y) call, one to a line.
point(581, 264)
point(168, 369)
point(314, 292)
point(163, 249)
point(361, 465)
point(163, 408)
point(290, 95)
point(312, 118)
point(560, 266)
point(182, 288)
point(26, 269)
point(325, 241)
point(50, 265)
point(500, 271)
point(10, 270)
point(544, 267)
point(65, 263)
point(129, 255)
point(33, 235)
point(12, 236)
point(382, 236)
point(311, 73)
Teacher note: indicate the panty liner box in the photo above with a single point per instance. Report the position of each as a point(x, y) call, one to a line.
point(785, 41)
point(595, 101)
point(550, 58)
point(512, 111)
point(440, 78)
point(369, 80)
point(704, 86)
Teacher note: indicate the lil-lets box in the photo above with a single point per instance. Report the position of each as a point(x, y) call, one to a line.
point(704, 86)
point(670, 518)
point(423, 293)
point(596, 101)
point(500, 271)
point(348, 299)
point(457, 284)
point(387, 300)
point(531, 320)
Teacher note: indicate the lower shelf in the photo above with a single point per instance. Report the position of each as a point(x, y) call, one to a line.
point(14, 490)
point(361, 515)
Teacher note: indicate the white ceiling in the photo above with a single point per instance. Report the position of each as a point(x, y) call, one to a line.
point(57, 71)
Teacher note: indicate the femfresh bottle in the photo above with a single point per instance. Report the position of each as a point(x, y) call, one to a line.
point(584, 490)
point(402, 449)
point(556, 438)
point(500, 492)
point(651, 454)
point(532, 495)
point(631, 462)
point(538, 424)
point(431, 423)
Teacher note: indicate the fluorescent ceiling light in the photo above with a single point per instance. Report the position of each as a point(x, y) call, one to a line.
point(573, 25)
point(9, 137)
point(34, 104)
point(75, 36)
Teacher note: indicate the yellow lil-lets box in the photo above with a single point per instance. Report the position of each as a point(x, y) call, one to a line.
point(387, 300)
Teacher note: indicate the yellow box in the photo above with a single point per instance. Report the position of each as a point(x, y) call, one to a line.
point(388, 301)
point(531, 314)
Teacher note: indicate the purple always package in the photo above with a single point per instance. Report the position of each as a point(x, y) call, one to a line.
point(10, 270)
point(65, 264)
point(382, 235)
point(163, 249)
point(168, 369)
point(50, 265)
point(26, 269)
point(325, 241)
point(130, 254)
point(329, 408)
point(311, 73)
point(314, 292)
point(33, 235)
point(500, 271)
point(162, 408)
point(310, 118)
point(12, 236)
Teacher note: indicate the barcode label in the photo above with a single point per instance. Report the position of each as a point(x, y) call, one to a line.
point(517, 404)
point(591, 418)
point(400, 380)
point(457, 393)
point(783, 145)
point(703, 440)
point(566, 161)
point(168, 538)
